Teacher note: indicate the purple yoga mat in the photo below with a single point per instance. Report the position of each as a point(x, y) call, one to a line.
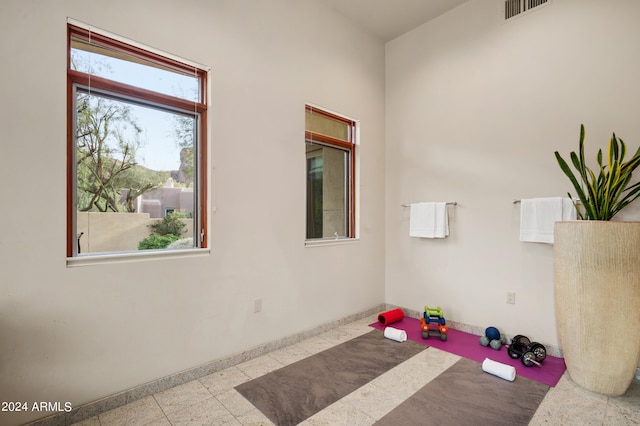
point(467, 345)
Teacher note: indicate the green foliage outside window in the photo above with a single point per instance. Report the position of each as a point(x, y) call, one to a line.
point(169, 225)
point(164, 232)
point(153, 242)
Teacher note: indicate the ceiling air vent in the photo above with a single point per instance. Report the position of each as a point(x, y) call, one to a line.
point(516, 7)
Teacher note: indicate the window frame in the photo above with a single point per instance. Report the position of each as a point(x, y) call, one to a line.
point(351, 147)
point(77, 30)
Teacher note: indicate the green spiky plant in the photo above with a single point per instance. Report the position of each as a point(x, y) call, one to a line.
point(602, 196)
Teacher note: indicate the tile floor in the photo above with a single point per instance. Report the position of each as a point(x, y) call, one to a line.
point(212, 400)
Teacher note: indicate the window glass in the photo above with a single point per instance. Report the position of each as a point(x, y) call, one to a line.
point(326, 126)
point(124, 68)
point(327, 171)
point(130, 160)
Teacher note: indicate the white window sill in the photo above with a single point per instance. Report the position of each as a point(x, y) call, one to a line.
point(330, 242)
point(137, 256)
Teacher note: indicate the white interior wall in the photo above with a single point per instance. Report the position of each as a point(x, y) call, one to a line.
point(79, 334)
point(475, 108)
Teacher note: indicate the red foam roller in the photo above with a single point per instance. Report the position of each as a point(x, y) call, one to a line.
point(390, 317)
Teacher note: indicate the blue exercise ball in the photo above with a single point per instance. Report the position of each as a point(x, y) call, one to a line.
point(492, 333)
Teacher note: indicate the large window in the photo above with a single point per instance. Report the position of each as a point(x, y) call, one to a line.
point(136, 147)
point(331, 162)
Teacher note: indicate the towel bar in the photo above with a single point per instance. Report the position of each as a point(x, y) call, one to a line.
point(449, 203)
point(519, 201)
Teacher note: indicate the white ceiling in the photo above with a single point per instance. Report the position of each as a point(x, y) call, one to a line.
point(388, 19)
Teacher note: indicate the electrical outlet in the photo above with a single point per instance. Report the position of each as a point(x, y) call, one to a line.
point(257, 305)
point(511, 297)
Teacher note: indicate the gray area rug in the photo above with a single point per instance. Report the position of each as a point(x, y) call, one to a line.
point(294, 393)
point(465, 395)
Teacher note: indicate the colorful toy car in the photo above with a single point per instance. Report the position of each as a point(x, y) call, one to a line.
point(433, 316)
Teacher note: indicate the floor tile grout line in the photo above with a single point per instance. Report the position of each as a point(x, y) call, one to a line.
point(162, 409)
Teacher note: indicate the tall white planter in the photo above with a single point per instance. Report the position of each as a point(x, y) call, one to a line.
point(597, 302)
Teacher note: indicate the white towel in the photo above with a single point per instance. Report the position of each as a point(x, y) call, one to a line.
point(429, 220)
point(499, 369)
point(395, 334)
point(539, 215)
